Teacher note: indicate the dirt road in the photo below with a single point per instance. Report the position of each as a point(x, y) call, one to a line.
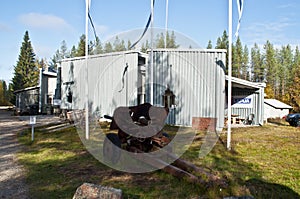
point(12, 174)
point(12, 182)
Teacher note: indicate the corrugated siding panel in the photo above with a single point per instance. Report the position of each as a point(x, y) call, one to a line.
point(105, 81)
point(257, 108)
point(196, 80)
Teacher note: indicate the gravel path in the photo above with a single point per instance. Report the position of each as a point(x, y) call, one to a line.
point(12, 178)
point(12, 182)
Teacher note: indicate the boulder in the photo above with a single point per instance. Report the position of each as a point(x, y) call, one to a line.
point(92, 191)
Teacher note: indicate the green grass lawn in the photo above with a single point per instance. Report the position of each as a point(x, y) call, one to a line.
point(264, 163)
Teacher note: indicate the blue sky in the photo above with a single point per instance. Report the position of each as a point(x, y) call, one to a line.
point(49, 22)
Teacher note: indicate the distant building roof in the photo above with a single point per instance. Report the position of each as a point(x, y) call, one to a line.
point(49, 73)
point(277, 104)
point(27, 89)
point(241, 83)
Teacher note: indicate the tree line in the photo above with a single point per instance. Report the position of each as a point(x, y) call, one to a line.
point(277, 67)
point(96, 47)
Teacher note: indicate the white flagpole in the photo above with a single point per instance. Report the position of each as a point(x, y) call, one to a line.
point(229, 74)
point(166, 25)
point(87, 3)
point(151, 56)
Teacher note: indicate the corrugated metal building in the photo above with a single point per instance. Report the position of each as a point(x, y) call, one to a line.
point(191, 83)
point(114, 79)
point(39, 99)
point(26, 100)
point(247, 98)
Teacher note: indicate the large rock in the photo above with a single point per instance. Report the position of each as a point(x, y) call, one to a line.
point(92, 191)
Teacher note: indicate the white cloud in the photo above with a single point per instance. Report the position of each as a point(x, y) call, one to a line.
point(44, 21)
point(274, 31)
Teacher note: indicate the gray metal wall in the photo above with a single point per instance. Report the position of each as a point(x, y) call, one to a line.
point(197, 79)
point(105, 81)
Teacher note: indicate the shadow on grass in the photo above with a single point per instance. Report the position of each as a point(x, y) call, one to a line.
point(262, 189)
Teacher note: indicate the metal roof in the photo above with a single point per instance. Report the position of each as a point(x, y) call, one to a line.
point(277, 104)
point(27, 89)
point(104, 55)
point(49, 73)
point(241, 83)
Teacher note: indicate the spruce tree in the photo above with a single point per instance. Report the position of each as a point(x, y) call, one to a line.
point(272, 70)
point(294, 89)
point(81, 46)
point(25, 71)
point(245, 64)
point(108, 48)
point(256, 65)
point(223, 43)
point(237, 58)
point(209, 45)
point(98, 49)
point(160, 40)
point(2, 94)
point(73, 51)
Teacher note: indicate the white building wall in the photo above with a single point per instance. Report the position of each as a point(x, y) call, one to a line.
point(105, 82)
point(271, 112)
point(197, 79)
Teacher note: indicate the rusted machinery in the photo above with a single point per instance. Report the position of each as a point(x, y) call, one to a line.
point(140, 130)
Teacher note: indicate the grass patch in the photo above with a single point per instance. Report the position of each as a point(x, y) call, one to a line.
point(264, 163)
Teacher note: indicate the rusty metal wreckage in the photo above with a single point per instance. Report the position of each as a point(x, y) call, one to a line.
point(140, 130)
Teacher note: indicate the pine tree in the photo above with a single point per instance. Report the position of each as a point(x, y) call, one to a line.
point(160, 40)
point(2, 94)
point(5, 92)
point(285, 71)
point(128, 45)
point(119, 45)
point(223, 43)
point(98, 49)
point(10, 94)
point(171, 40)
point(81, 47)
point(145, 46)
point(108, 47)
point(237, 58)
point(271, 66)
point(209, 45)
point(55, 58)
point(294, 89)
point(245, 65)
point(25, 70)
point(73, 51)
point(256, 66)
point(64, 50)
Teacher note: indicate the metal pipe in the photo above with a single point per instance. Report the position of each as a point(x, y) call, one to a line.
point(229, 73)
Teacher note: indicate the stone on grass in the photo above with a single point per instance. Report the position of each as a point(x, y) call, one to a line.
point(92, 191)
